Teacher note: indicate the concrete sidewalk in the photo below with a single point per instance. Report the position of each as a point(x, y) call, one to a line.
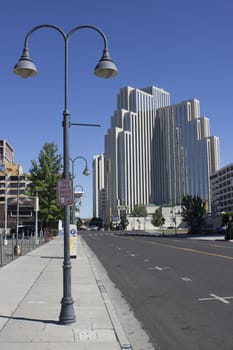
point(30, 296)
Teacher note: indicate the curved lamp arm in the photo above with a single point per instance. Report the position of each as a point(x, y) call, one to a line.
point(86, 172)
point(104, 69)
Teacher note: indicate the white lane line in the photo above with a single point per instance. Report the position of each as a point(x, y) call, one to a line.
point(130, 254)
point(216, 297)
point(186, 279)
point(154, 268)
point(158, 268)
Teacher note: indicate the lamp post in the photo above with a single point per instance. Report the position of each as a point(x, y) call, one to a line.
point(75, 202)
point(230, 220)
point(174, 218)
point(17, 247)
point(104, 69)
point(5, 210)
point(86, 172)
point(3, 169)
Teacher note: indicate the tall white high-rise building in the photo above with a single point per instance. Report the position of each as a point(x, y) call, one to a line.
point(155, 153)
point(98, 186)
point(130, 148)
point(186, 154)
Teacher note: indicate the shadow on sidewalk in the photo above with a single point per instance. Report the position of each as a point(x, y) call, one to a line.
point(29, 319)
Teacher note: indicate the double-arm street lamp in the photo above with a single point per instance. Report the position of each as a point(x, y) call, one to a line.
point(104, 69)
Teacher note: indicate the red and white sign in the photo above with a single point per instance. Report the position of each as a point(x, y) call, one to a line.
point(64, 192)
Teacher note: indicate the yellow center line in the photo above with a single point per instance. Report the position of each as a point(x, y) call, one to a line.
point(180, 248)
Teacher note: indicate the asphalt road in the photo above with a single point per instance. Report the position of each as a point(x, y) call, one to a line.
point(181, 290)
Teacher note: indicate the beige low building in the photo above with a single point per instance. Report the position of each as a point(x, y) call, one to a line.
point(172, 216)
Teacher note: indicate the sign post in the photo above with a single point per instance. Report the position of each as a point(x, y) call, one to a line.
point(65, 196)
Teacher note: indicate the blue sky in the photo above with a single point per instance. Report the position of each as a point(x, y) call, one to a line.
point(183, 46)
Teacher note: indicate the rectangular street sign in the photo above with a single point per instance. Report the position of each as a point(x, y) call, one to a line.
point(65, 192)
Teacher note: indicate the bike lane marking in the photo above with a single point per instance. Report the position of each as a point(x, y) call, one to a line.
point(216, 297)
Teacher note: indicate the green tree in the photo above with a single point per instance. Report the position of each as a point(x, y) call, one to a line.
point(139, 210)
point(157, 218)
point(227, 221)
point(193, 212)
point(96, 222)
point(124, 222)
point(79, 223)
point(43, 176)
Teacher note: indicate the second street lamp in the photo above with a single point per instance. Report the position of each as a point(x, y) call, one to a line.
point(104, 69)
point(85, 172)
point(76, 204)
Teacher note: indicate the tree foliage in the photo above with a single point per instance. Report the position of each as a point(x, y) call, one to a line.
point(139, 211)
point(79, 223)
point(157, 218)
point(96, 222)
point(227, 222)
point(43, 176)
point(124, 222)
point(193, 212)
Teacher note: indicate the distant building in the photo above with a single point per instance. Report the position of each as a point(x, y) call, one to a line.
point(171, 215)
point(155, 153)
point(13, 183)
point(98, 186)
point(222, 190)
point(6, 152)
point(186, 154)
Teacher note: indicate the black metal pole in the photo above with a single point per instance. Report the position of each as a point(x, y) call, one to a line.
point(67, 314)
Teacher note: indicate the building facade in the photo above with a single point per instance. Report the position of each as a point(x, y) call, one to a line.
point(15, 206)
point(222, 190)
point(130, 149)
point(98, 186)
point(156, 153)
point(6, 152)
point(186, 154)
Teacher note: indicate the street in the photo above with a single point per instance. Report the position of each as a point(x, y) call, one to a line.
point(181, 290)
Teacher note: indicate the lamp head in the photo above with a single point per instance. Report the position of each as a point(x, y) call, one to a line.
point(106, 67)
point(86, 172)
point(25, 67)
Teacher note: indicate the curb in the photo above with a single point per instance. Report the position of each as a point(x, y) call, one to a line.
point(119, 331)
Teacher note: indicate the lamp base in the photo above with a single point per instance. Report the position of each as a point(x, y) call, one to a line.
point(67, 315)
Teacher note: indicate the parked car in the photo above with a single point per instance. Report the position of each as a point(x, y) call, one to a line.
point(27, 230)
point(221, 229)
point(94, 228)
